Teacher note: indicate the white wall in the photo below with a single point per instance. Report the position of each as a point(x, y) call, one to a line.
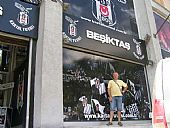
point(48, 99)
point(146, 25)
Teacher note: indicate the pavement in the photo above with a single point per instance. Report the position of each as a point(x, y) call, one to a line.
point(126, 124)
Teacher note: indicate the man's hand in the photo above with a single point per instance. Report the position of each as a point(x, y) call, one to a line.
point(110, 99)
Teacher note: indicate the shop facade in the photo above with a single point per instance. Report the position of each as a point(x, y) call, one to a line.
point(18, 34)
point(79, 45)
point(50, 71)
point(97, 43)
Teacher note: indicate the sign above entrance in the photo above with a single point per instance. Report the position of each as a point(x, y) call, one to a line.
point(19, 18)
point(88, 34)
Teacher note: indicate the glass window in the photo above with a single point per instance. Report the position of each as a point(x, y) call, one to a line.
point(163, 34)
point(85, 81)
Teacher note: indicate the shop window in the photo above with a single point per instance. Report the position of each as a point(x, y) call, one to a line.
point(163, 34)
point(85, 79)
point(13, 67)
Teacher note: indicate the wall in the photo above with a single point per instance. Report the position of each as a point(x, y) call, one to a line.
point(48, 100)
point(146, 25)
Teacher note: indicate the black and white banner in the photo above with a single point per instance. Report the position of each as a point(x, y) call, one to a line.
point(92, 35)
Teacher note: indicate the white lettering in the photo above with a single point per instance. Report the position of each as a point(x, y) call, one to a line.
point(70, 39)
point(121, 44)
point(108, 40)
point(99, 116)
point(15, 26)
point(89, 34)
point(96, 36)
point(1, 11)
point(102, 38)
point(117, 42)
point(28, 28)
point(127, 45)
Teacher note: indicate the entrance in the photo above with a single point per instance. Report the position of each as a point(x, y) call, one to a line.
point(85, 83)
point(13, 81)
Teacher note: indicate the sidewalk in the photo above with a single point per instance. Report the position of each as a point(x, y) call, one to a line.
point(126, 124)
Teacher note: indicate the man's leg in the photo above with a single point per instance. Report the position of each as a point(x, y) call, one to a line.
point(119, 115)
point(112, 108)
point(111, 116)
point(119, 103)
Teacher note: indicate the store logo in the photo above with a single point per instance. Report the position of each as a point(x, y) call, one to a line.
point(22, 18)
point(1, 11)
point(103, 11)
point(107, 39)
point(72, 30)
point(138, 53)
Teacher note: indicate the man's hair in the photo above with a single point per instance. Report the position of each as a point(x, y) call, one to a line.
point(115, 72)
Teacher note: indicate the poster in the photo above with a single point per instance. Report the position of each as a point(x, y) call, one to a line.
point(20, 96)
point(85, 81)
point(117, 15)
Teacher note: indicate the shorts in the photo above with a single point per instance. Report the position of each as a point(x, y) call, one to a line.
point(116, 103)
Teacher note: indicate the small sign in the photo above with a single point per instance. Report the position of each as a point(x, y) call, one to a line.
point(19, 18)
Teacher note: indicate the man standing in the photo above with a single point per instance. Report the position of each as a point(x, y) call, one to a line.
point(115, 93)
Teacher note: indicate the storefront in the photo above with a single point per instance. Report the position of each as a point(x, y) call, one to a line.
point(18, 33)
point(99, 37)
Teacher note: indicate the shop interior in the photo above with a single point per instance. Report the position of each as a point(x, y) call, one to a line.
point(13, 67)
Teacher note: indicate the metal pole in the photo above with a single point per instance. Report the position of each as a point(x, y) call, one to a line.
point(29, 83)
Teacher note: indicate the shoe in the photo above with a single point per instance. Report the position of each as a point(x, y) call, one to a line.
point(120, 124)
point(110, 123)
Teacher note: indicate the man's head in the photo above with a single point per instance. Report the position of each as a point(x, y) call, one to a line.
point(115, 75)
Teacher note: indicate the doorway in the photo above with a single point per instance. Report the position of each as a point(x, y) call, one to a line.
point(13, 81)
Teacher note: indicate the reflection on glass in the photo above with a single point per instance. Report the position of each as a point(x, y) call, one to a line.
point(164, 33)
point(85, 79)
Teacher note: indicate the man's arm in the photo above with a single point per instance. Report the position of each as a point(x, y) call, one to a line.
point(125, 88)
point(109, 93)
